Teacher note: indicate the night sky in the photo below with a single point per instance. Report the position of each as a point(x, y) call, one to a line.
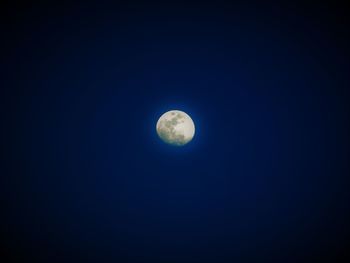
point(85, 178)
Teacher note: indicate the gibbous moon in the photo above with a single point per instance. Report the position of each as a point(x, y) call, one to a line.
point(175, 127)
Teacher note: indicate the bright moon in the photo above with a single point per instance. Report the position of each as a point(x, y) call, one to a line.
point(175, 127)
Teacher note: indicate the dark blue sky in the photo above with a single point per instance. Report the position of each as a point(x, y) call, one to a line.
point(85, 177)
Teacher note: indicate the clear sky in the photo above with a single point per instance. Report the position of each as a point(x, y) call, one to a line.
point(85, 177)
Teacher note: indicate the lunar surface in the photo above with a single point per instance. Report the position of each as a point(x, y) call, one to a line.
point(175, 127)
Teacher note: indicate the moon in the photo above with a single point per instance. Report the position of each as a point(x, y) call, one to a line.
point(175, 127)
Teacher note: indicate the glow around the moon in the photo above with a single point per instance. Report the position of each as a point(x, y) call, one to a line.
point(175, 127)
